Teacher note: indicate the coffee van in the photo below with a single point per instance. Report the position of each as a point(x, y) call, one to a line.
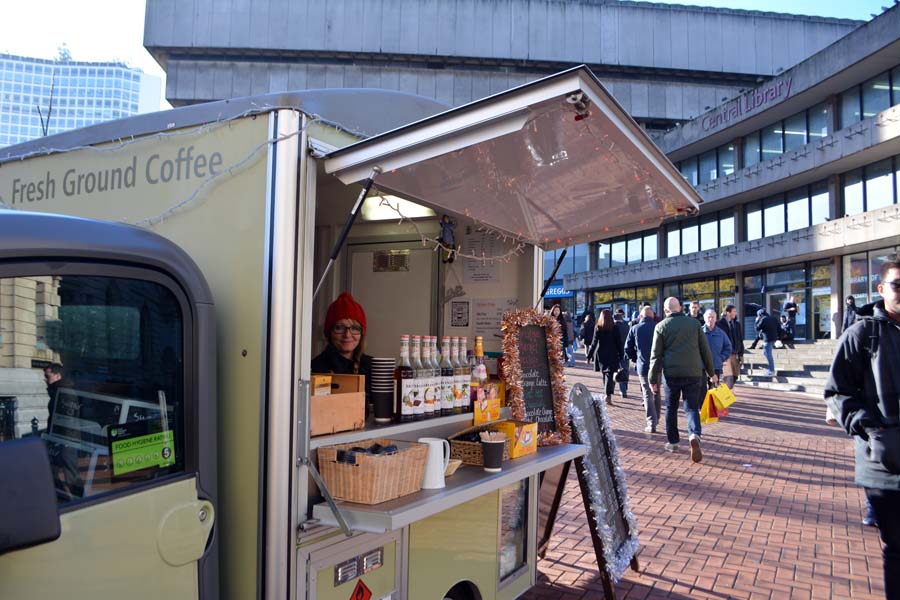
point(177, 317)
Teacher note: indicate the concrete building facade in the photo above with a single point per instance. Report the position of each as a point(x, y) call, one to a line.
point(83, 93)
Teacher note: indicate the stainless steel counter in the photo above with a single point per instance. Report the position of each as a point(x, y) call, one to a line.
point(466, 484)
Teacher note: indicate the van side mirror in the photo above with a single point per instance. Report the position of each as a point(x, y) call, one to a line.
point(28, 511)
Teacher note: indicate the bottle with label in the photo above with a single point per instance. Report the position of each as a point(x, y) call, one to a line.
point(432, 382)
point(479, 376)
point(465, 403)
point(457, 374)
point(447, 374)
point(404, 384)
point(419, 378)
point(439, 385)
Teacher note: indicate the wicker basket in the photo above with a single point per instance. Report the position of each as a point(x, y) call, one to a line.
point(470, 452)
point(374, 478)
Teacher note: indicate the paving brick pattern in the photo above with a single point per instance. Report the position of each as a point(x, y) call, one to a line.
point(771, 512)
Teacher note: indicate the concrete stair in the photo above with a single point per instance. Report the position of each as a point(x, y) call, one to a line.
point(803, 369)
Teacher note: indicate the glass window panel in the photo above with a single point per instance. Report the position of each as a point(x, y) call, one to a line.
point(709, 232)
point(785, 277)
point(688, 170)
point(856, 278)
point(726, 159)
point(603, 252)
point(850, 111)
point(853, 193)
point(879, 185)
point(634, 250)
point(581, 258)
point(651, 247)
point(876, 95)
point(566, 266)
point(708, 166)
point(726, 228)
point(671, 289)
point(773, 217)
point(797, 209)
point(795, 131)
point(618, 253)
point(549, 262)
point(771, 141)
point(818, 119)
point(895, 85)
point(689, 238)
point(673, 241)
point(602, 298)
point(754, 221)
point(819, 203)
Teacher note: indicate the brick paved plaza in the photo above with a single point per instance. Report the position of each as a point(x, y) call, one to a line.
point(771, 512)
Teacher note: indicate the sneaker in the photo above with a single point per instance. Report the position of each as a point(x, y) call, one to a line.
point(671, 447)
point(769, 373)
point(649, 429)
point(869, 520)
point(696, 453)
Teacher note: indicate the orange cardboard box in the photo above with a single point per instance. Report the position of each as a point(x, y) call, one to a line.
point(522, 437)
point(343, 410)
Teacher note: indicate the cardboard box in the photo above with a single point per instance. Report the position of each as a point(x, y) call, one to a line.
point(487, 403)
point(343, 410)
point(522, 437)
point(321, 385)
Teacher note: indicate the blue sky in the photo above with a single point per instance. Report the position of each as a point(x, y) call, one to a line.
point(843, 9)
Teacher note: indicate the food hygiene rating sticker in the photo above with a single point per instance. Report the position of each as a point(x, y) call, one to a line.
point(132, 451)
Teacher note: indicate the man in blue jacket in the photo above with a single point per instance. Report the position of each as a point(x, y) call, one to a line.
point(863, 391)
point(718, 341)
point(637, 348)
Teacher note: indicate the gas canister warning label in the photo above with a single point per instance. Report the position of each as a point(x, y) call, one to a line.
point(141, 452)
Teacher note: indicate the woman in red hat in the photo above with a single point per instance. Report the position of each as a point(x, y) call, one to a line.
point(345, 332)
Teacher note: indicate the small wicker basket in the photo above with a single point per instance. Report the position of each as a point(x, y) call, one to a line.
point(470, 452)
point(374, 478)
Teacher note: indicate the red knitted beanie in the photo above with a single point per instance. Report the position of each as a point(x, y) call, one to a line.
point(344, 307)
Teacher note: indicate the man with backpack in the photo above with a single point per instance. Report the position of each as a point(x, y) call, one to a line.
point(863, 392)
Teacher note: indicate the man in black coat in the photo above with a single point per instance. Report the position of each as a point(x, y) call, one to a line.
point(767, 327)
point(730, 325)
point(863, 392)
point(849, 314)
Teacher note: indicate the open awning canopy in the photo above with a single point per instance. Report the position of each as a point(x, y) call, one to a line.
point(554, 163)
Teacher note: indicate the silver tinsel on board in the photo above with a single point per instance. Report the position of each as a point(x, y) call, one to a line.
point(618, 553)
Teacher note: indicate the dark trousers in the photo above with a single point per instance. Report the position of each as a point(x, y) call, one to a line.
point(674, 388)
point(608, 382)
point(885, 503)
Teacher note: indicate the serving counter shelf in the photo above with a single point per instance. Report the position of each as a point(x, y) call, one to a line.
point(400, 431)
point(468, 483)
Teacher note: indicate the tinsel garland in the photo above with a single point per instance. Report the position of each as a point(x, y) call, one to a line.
point(512, 370)
point(618, 553)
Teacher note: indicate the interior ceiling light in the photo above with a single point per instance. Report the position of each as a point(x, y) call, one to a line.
point(374, 210)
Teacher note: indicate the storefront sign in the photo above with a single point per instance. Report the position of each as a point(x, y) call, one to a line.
point(557, 291)
point(753, 100)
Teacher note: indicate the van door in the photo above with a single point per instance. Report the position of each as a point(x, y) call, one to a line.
point(99, 363)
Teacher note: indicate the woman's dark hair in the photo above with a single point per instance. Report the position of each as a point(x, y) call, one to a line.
point(605, 322)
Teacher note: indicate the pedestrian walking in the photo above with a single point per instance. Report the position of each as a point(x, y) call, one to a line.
point(849, 314)
point(607, 351)
point(695, 312)
point(767, 328)
point(680, 354)
point(863, 392)
point(729, 323)
point(637, 348)
point(719, 344)
point(623, 328)
point(570, 337)
point(587, 329)
point(556, 313)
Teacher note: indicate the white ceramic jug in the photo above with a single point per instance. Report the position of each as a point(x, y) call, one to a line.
point(435, 463)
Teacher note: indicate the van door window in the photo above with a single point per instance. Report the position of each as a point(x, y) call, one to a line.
point(94, 366)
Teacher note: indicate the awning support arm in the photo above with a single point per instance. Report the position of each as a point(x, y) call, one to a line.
point(346, 230)
point(550, 279)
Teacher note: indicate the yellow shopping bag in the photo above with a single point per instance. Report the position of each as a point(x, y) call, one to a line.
point(723, 398)
point(708, 412)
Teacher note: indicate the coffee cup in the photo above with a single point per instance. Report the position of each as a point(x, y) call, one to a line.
point(492, 452)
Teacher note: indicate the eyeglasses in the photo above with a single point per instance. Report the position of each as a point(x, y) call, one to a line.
point(341, 329)
point(895, 284)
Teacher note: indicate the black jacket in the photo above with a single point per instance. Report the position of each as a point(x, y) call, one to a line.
point(607, 350)
point(735, 335)
point(864, 392)
point(850, 311)
point(768, 328)
point(587, 331)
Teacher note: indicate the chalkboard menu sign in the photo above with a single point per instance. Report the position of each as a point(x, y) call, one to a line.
point(533, 368)
point(602, 481)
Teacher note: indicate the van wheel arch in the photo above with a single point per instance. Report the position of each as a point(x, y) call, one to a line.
point(464, 590)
